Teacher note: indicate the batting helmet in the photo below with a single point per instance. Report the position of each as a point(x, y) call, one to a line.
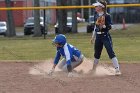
point(60, 39)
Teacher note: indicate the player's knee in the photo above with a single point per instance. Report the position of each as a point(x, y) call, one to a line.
point(60, 67)
point(64, 68)
point(81, 59)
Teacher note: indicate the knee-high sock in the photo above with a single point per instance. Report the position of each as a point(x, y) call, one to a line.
point(115, 63)
point(96, 61)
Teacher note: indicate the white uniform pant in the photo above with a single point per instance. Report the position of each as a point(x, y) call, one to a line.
point(77, 62)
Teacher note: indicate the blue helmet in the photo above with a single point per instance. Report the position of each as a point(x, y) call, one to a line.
point(60, 39)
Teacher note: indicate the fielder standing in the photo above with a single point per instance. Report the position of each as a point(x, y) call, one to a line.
point(102, 36)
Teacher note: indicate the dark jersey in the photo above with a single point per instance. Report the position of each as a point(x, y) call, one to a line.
point(108, 23)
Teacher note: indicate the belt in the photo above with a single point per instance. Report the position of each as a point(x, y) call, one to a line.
point(100, 32)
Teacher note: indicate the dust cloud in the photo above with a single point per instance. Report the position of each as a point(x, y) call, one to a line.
point(82, 70)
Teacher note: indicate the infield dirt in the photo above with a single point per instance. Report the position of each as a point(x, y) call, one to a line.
point(31, 77)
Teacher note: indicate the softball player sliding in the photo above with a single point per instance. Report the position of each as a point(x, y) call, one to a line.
point(72, 57)
point(102, 37)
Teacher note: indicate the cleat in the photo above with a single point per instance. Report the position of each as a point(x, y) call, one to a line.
point(117, 73)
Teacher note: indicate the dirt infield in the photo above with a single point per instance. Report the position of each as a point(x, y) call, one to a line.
point(29, 77)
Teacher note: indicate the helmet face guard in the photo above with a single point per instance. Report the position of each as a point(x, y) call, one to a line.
point(55, 42)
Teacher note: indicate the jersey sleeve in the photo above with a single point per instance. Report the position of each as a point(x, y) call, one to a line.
point(57, 58)
point(93, 33)
point(67, 54)
point(108, 22)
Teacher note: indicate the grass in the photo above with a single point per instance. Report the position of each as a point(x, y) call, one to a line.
point(126, 46)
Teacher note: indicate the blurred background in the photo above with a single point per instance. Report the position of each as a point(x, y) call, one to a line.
point(28, 26)
point(20, 18)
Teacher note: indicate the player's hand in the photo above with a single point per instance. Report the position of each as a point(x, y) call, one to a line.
point(91, 40)
point(51, 72)
point(70, 74)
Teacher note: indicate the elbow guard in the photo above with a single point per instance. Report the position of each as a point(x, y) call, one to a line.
point(69, 67)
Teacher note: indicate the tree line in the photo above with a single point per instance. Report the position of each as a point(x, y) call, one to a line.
point(61, 15)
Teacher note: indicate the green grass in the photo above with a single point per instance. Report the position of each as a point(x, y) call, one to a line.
point(126, 45)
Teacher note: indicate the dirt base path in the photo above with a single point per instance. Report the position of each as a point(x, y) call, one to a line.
point(26, 77)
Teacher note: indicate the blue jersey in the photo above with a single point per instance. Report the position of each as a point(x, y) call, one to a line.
point(68, 51)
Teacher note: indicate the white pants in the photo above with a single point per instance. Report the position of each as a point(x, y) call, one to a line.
point(63, 65)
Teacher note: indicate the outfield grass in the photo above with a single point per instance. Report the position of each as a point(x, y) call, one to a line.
point(126, 46)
